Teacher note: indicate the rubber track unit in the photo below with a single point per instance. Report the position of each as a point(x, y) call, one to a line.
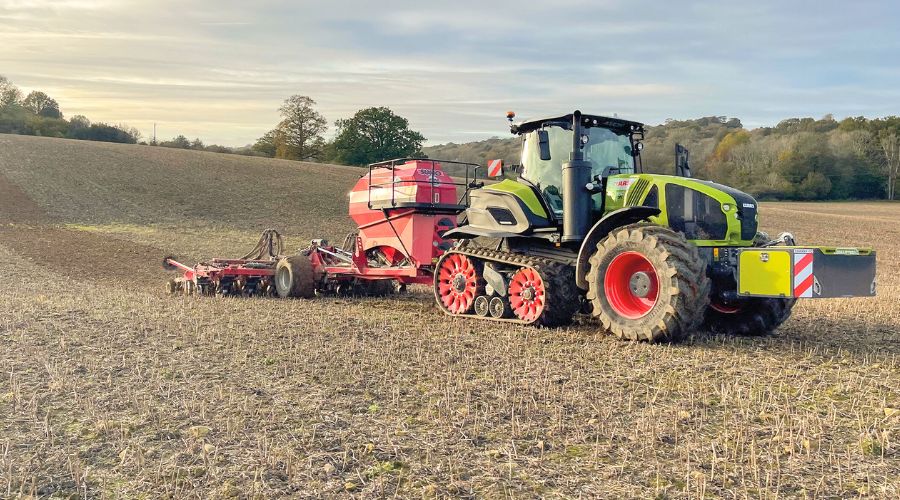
point(678, 261)
point(562, 296)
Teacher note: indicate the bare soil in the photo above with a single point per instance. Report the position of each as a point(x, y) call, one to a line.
point(30, 234)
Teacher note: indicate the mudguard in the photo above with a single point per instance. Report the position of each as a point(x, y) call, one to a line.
point(468, 232)
point(612, 220)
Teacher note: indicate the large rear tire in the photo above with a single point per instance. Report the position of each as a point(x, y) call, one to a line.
point(295, 277)
point(748, 317)
point(648, 283)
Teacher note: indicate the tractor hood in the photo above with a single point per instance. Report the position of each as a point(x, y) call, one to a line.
point(706, 212)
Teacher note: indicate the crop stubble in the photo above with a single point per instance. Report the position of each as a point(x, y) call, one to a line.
point(109, 387)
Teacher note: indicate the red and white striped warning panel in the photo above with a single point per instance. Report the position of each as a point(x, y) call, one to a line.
point(495, 168)
point(803, 273)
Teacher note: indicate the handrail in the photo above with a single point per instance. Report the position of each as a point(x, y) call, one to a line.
point(471, 177)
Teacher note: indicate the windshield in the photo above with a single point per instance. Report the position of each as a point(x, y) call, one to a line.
point(604, 149)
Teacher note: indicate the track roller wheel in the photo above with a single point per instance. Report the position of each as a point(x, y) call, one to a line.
point(457, 282)
point(295, 277)
point(499, 308)
point(648, 283)
point(482, 305)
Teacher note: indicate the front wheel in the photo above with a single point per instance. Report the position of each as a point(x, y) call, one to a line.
point(752, 316)
point(647, 283)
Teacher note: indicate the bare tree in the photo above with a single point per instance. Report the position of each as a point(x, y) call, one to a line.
point(9, 93)
point(890, 144)
point(299, 135)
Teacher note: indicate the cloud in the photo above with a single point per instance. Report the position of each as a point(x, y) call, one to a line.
point(54, 4)
point(631, 90)
point(220, 69)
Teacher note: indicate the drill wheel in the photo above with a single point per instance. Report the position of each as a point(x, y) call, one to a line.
point(295, 277)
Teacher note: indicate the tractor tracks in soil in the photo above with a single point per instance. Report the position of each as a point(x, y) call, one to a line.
point(27, 230)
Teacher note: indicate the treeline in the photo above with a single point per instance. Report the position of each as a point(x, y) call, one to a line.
point(370, 135)
point(182, 142)
point(798, 159)
point(39, 114)
point(479, 152)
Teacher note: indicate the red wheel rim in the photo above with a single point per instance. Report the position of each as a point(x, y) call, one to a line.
point(631, 285)
point(526, 294)
point(725, 308)
point(457, 283)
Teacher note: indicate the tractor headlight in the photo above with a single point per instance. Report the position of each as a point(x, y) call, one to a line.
point(726, 207)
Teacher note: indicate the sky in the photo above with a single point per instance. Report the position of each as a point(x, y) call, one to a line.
point(219, 69)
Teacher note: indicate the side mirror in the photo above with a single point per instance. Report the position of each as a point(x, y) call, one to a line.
point(544, 144)
point(682, 161)
point(495, 169)
point(636, 150)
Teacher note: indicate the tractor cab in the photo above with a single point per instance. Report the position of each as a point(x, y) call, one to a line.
point(610, 145)
point(583, 150)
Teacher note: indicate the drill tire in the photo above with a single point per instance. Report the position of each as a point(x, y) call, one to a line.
point(295, 277)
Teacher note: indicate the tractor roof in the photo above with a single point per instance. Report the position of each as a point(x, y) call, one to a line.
point(615, 124)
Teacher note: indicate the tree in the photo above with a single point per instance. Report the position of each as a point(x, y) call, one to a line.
point(79, 122)
point(41, 104)
point(179, 141)
point(890, 144)
point(9, 93)
point(299, 134)
point(266, 144)
point(129, 131)
point(375, 134)
point(101, 132)
point(815, 186)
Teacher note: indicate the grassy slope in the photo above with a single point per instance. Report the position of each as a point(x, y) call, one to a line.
point(165, 192)
point(110, 386)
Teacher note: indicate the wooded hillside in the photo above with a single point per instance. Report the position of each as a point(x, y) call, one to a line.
point(800, 158)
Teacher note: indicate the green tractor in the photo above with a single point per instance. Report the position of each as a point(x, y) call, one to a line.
point(653, 257)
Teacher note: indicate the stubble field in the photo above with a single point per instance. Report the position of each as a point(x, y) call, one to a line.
point(109, 388)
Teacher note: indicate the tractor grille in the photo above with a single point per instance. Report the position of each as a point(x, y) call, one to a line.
point(636, 192)
point(748, 220)
point(747, 209)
